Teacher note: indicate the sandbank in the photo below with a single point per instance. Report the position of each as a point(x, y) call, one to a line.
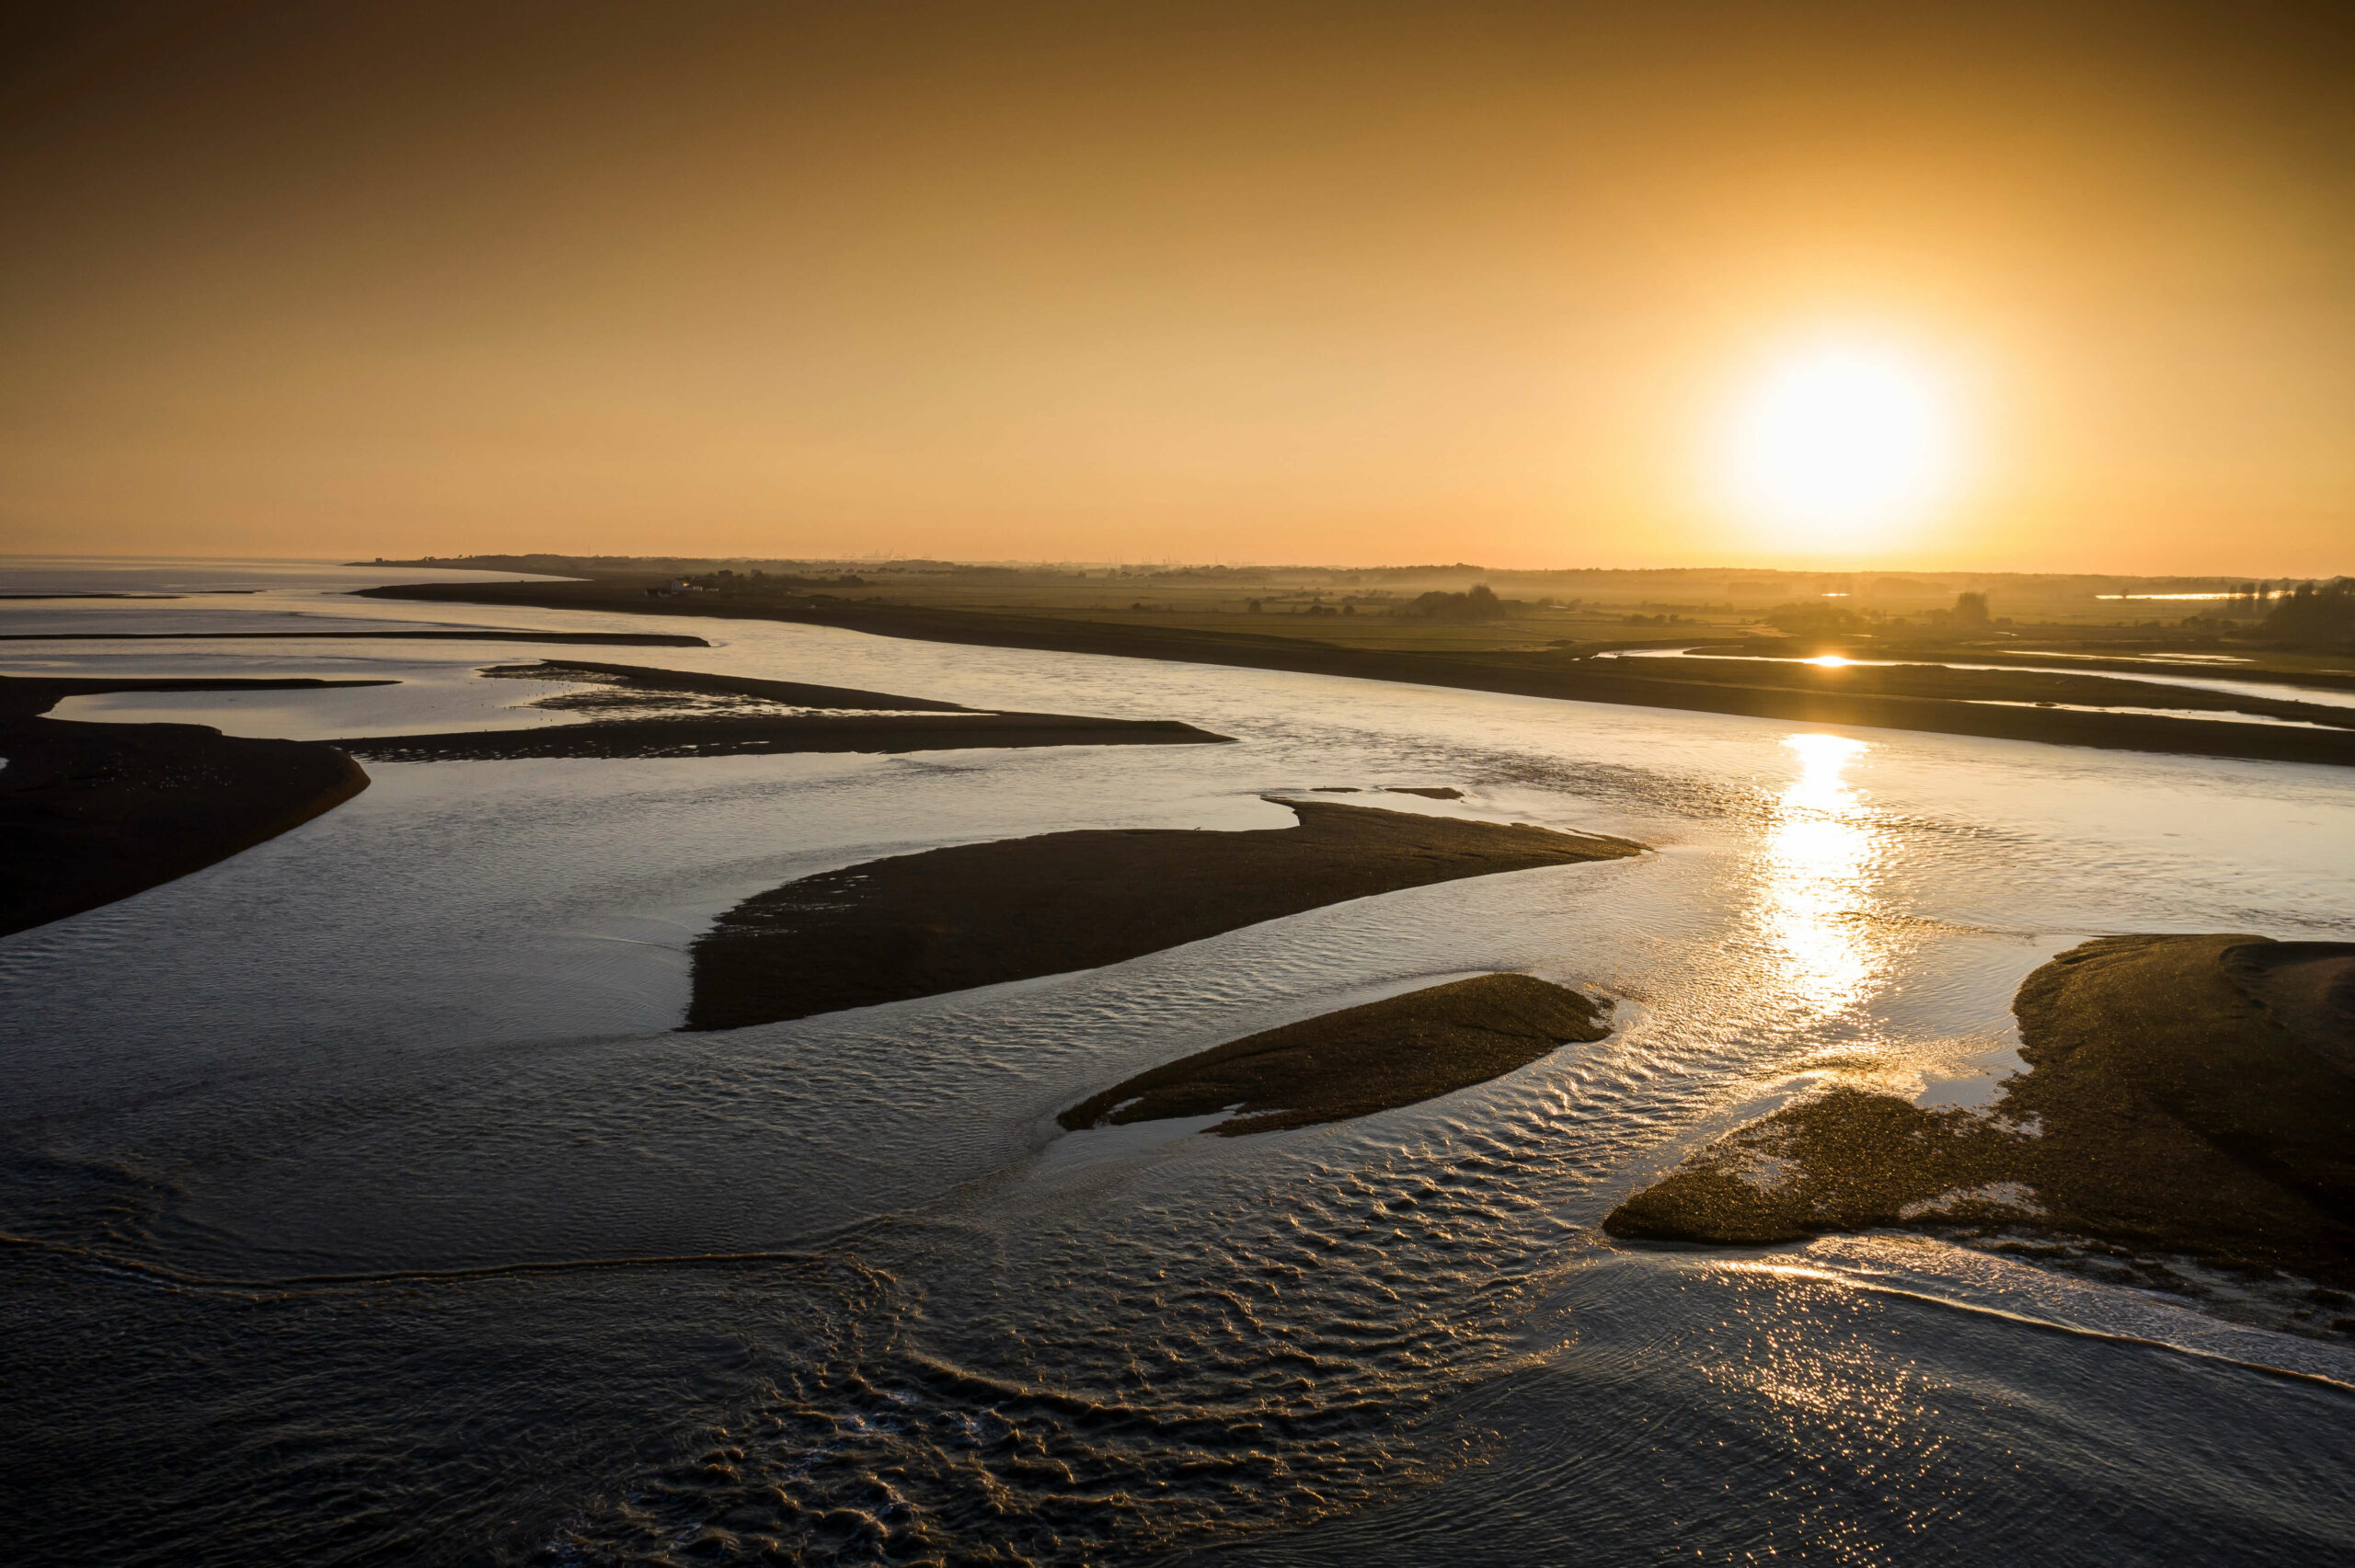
point(96, 812)
point(953, 918)
point(860, 721)
point(614, 639)
point(1393, 1052)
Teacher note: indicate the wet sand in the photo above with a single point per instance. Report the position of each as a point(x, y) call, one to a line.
point(653, 683)
point(27, 696)
point(96, 812)
point(974, 915)
point(612, 639)
point(2185, 1094)
point(1385, 1054)
point(1957, 709)
point(890, 724)
point(638, 737)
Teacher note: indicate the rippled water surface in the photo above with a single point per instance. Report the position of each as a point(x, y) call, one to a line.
point(369, 1207)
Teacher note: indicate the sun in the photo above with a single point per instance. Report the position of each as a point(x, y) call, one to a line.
point(1840, 445)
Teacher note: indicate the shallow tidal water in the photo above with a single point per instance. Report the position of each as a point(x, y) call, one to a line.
point(368, 1208)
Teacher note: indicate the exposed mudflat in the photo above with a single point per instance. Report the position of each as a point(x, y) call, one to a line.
point(742, 737)
point(26, 696)
point(677, 717)
point(96, 812)
point(2187, 1095)
point(980, 914)
point(653, 687)
point(607, 639)
point(1398, 1051)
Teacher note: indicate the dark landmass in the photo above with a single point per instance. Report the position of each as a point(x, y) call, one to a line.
point(904, 724)
point(2185, 1094)
point(96, 812)
point(1363, 1059)
point(1950, 701)
point(614, 639)
point(974, 915)
point(26, 696)
point(642, 737)
point(648, 684)
point(1436, 792)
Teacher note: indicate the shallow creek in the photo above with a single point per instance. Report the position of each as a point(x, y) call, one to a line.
point(369, 1207)
point(2156, 671)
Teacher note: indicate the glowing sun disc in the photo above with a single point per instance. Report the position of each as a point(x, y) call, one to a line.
point(1835, 443)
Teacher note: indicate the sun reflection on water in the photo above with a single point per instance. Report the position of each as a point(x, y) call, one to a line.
point(1820, 858)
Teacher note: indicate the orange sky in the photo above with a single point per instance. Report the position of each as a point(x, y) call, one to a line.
point(1359, 283)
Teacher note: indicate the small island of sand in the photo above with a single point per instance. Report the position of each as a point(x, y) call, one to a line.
point(1398, 1051)
point(978, 914)
point(647, 712)
point(96, 812)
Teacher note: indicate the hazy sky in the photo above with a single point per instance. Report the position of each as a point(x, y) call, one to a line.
point(1358, 282)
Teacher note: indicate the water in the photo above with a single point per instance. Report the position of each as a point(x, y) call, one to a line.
point(383, 1215)
point(2203, 713)
point(2159, 669)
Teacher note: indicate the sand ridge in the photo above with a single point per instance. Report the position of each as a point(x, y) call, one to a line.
point(1399, 1051)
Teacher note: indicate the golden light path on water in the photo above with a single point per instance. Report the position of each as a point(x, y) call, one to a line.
point(1821, 856)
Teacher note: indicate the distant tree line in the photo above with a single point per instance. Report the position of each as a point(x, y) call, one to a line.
point(2314, 612)
point(1477, 603)
point(1817, 618)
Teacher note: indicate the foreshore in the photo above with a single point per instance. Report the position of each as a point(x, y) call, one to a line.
point(1967, 710)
